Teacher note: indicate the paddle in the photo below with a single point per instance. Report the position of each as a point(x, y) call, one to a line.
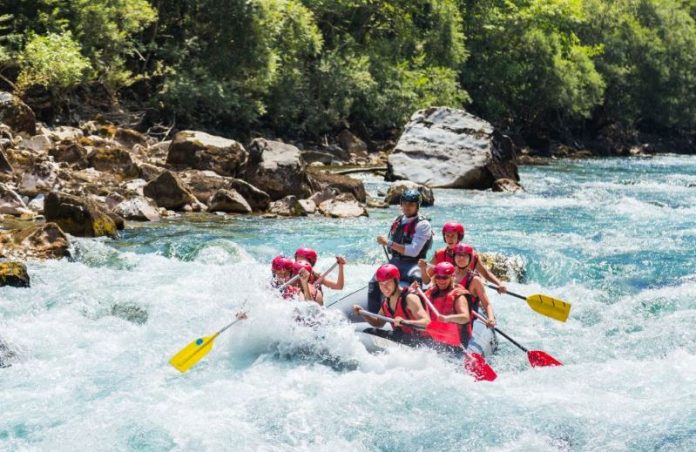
point(196, 350)
point(296, 277)
point(544, 304)
point(474, 363)
point(537, 358)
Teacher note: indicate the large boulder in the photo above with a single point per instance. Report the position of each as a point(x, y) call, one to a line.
point(351, 144)
point(16, 114)
point(205, 184)
point(199, 150)
point(277, 168)
point(320, 180)
point(13, 274)
point(448, 148)
point(397, 188)
point(258, 199)
point(42, 178)
point(228, 201)
point(138, 209)
point(78, 216)
point(37, 143)
point(41, 241)
point(342, 206)
point(169, 191)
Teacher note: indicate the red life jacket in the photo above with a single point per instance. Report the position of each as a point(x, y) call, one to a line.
point(443, 301)
point(444, 255)
point(291, 292)
point(466, 283)
point(401, 310)
point(403, 235)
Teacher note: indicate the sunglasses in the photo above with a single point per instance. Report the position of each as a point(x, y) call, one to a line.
point(442, 277)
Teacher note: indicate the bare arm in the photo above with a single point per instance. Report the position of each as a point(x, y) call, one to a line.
point(338, 284)
point(369, 319)
point(414, 306)
point(461, 307)
point(487, 274)
point(479, 291)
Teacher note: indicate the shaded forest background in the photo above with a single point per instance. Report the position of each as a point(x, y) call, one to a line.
point(554, 70)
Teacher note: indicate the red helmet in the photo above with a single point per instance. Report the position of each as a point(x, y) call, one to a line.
point(444, 269)
point(280, 263)
point(298, 266)
point(461, 248)
point(387, 272)
point(453, 227)
point(307, 253)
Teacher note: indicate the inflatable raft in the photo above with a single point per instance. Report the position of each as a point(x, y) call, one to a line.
point(483, 340)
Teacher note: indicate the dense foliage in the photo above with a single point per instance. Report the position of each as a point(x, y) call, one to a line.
point(310, 67)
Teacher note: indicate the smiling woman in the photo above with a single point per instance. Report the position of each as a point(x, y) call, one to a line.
point(582, 228)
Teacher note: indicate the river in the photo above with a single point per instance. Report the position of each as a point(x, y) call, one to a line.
point(616, 237)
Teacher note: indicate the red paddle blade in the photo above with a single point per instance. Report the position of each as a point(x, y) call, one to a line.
point(447, 333)
point(477, 366)
point(537, 358)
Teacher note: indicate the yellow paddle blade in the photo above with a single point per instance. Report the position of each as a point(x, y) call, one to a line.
point(549, 306)
point(192, 353)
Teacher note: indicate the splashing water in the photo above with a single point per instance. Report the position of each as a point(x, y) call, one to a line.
point(615, 237)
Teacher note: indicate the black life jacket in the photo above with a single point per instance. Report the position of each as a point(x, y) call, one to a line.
point(403, 235)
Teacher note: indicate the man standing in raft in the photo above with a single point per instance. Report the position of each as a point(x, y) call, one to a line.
point(410, 238)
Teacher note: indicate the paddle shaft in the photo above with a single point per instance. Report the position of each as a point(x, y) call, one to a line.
point(296, 277)
point(386, 253)
point(346, 296)
point(516, 295)
point(483, 318)
point(389, 319)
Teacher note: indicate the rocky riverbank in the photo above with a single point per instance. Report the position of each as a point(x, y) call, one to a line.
point(89, 180)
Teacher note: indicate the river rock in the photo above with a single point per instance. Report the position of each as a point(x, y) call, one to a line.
point(309, 206)
point(448, 148)
point(324, 195)
point(351, 144)
point(258, 199)
point(16, 114)
point(137, 209)
point(40, 241)
point(79, 216)
point(10, 202)
point(69, 152)
point(199, 150)
point(506, 185)
point(315, 157)
point(319, 180)
point(66, 133)
point(375, 203)
point(228, 201)
point(288, 207)
point(42, 178)
point(37, 204)
point(342, 206)
point(129, 137)
point(506, 268)
point(169, 191)
point(13, 274)
point(397, 188)
point(37, 143)
point(115, 160)
point(5, 166)
point(148, 171)
point(277, 168)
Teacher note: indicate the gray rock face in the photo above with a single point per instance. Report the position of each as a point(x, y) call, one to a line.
point(277, 168)
point(228, 201)
point(199, 150)
point(169, 191)
point(449, 148)
point(204, 185)
point(397, 188)
point(320, 180)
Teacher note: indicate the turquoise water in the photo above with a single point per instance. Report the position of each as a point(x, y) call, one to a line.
point(615, 237)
